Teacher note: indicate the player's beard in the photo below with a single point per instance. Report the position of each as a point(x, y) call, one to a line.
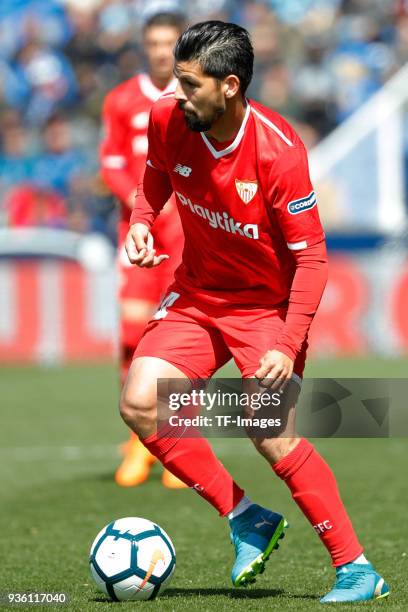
point(195, 124)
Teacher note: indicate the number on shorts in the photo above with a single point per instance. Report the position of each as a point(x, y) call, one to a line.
point(166, 303)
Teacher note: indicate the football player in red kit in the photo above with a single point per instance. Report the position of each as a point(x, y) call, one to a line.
point(123, 158)
point(253, 272)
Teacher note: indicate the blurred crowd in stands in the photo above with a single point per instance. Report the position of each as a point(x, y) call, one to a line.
point(316, 62)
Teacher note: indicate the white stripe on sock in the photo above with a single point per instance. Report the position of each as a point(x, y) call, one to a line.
point(240, 507)
point(361, 560)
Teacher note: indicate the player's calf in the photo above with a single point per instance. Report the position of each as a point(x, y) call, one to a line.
point(274, 449)
point(279, 440)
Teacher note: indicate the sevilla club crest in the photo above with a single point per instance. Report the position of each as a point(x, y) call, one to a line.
point(246, 190)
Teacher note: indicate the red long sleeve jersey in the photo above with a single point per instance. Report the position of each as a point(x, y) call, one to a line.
point(244, 208)
point(124, 147)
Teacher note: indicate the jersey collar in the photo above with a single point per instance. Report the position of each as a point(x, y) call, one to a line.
point(234, 144)
point(149, 90)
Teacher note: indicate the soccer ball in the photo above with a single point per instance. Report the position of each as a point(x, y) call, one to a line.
point(132, 558)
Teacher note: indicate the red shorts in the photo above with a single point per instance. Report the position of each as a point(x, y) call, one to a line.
point(199, 338)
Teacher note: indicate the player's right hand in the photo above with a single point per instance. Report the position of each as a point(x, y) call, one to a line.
point(139, 247)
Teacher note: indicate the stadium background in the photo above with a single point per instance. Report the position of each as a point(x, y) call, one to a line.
point(337, 69)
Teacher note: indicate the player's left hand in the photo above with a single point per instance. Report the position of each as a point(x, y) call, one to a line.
point(275, 370)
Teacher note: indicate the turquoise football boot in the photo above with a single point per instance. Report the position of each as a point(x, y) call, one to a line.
point(356, 582)
point(255, 534)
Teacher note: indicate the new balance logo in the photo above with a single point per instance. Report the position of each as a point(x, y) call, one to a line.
point(262, 523)
point(222, 221)
point(182, 170)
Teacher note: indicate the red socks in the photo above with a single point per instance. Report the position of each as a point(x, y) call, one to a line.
point(311, 481)
point(191, 458)
point(315, 491)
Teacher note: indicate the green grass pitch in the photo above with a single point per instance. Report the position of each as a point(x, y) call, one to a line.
point(59, 439)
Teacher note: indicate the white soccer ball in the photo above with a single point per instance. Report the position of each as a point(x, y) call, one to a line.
point(132, 558)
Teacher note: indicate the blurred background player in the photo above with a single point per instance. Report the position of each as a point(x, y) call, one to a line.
point(123, 156)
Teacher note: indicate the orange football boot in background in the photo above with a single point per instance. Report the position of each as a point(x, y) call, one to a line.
point(136, 465)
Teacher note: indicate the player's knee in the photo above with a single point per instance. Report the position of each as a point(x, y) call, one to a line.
point(274, 449)
point(138, 407)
